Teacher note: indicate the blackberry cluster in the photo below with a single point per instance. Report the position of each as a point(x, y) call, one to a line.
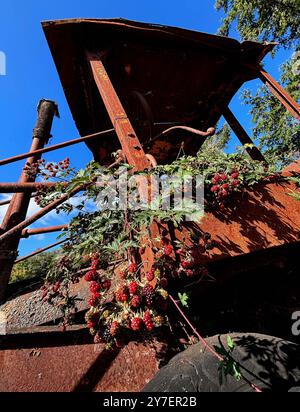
point(107, 336)
point(149, 294)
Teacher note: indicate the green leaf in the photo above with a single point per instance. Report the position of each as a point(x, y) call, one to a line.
point(230, 342)
point(184, 298)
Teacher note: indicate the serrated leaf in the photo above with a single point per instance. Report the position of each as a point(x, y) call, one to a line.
point(230, 342)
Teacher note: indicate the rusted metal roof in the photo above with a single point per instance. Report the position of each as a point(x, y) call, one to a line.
point(163, 75)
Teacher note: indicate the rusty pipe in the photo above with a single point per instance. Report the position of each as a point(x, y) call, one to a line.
point(210, 132)
point(18, 206)
point(7, 202)
point(39, 251)
point(26, 233)
point(53, 147)
point(53, 205)
point(27, 187)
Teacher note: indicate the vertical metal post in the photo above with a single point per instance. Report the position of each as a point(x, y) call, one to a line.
point(18, 207)
point(130, 143)
point(131, 146)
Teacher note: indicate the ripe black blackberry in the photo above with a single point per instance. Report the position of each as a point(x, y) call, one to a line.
point(149, 294)
point(107, 336)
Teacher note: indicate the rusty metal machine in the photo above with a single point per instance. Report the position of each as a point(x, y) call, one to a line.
point(146, 90)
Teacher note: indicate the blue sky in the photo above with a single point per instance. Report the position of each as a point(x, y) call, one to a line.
point(31, 74)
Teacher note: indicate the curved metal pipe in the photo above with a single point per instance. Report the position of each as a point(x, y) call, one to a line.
point(210, 132)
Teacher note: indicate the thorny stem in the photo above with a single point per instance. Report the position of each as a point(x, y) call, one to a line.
point(207, 346)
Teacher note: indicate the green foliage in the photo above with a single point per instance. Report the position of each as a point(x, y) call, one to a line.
point(295, 194)
point(276, 130)
point(228, 366)
point(115, 233)
point(276, 20)
point(219, 141)
point(35, 267)
point(184, 299)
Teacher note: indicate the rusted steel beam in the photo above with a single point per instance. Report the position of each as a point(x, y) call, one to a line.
point(54, 147)
point(18, 206)
point(131, 145)
point(26, 187)
point(279, 92)
point(242, 135)
point(39, 251)
point(53, 205)
point(7, 202)
point(50, 229)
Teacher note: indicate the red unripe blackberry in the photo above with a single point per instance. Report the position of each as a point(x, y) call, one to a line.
point(225, 186)
point(114, 328)
point(187, 264)
point(235, 183)
point(224, 193)
point(95, 262)
point(168, 250)
point(122, 295)
point(122, 274)
point(95, 287)
point(217, 178)
point(136, 324)
point(106, 284)
point(150, 276)
point(94, 301)
point(190, 273)
point(133, 268)
point(136, 302)
point(147, 317)
point(90, 276)
point(149, 326)
point(223, 176)
point(133, 288)
point(235, 175)
point(215, 188)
